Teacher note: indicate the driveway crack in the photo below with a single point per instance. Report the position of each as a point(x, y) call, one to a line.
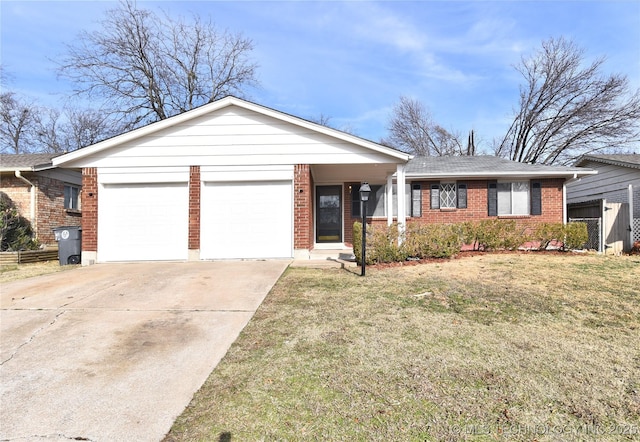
point(33, 336)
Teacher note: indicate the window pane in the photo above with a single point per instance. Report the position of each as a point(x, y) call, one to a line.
point(67, 196)
point(504, 198)
point(448, 195)
point(375, 206)
point(520, 198)
point(407, 199)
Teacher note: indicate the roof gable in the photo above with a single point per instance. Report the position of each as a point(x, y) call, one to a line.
point(173, 124)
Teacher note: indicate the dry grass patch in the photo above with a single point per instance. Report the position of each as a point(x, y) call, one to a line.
point(12, 272)
point(493, 347)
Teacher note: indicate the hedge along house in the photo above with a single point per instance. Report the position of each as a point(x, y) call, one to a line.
point(228, 180)
point(46, 195)
point(236, 180)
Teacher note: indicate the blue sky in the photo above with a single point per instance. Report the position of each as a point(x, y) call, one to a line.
point(351, 61)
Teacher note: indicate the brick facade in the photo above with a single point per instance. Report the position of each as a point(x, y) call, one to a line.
point(194, 207)
point(303, 207)
point(89, 209)
point(49, 203)
point(477, 201)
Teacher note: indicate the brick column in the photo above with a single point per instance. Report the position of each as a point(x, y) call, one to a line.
point(302, 208)
point(194, 213)
point(89, 215)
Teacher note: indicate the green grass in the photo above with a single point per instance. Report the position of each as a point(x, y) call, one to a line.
point(494, 347)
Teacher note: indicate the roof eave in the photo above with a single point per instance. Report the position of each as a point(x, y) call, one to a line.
point(480, 175)
point(585, 159)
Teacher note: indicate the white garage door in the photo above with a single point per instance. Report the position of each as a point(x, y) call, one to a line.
point(143, 222)
point(246, 220)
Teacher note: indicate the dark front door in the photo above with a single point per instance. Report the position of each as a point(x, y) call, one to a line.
point(328, 214)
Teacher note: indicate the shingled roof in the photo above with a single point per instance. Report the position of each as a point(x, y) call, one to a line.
point(26, 161)
point(485, 166)
point(624, 160)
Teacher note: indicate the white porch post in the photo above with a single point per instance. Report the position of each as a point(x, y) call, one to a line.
point(631, 227)
point(402, 210)
point(389, 200)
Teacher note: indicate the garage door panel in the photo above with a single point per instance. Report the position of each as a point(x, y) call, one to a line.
point(246, 220)
point(143, 222)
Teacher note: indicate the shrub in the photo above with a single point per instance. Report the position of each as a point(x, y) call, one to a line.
point(15, 230)
point(432, 240)
point(544, 234)
point(575, 235)
point(382, 243)
point(496, 234)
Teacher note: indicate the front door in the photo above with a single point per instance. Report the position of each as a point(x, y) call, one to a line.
point(328, 214)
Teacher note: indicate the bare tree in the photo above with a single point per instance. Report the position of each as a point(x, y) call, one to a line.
point(153, 67)
point(568, 108)
point(73, 129)
point(413, 130)
point(17, 122)
point(48, 131)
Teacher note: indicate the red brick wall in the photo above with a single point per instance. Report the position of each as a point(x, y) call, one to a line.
point(194, 208)
point(302, 207)
point(89, 209)
point(50, 211)
point(476, 206)
point(348, 219)
point(18, 191)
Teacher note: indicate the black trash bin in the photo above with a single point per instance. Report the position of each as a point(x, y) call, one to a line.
point(69, 244)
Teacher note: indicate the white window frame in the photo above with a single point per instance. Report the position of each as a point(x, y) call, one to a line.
point(448, 195)
point(514, 198)
point(70, 198)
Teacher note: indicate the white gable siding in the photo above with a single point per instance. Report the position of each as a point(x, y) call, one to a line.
point(233, 136)
point(611, 183)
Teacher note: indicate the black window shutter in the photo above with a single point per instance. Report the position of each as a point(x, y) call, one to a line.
point(355, 202)
point(435, 196)
point(492, 198)
point(462, 195)
point(536, 198)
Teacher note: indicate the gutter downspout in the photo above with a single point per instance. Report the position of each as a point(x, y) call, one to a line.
point(32, 211)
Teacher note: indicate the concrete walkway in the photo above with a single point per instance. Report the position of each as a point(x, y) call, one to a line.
point(115, 352)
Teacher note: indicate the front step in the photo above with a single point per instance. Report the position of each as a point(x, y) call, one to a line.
point(333, 254)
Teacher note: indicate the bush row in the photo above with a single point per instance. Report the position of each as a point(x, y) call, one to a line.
point(422, 241)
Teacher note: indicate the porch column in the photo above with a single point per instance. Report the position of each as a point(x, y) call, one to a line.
point(402, 209)
point(389, 200)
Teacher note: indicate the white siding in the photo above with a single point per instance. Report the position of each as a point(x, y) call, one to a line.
point(233, 136)
point(611, 182)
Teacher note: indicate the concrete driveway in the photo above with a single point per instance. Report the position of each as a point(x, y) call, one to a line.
point(115, 352)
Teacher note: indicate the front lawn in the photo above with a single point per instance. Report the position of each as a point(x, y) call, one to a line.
point(494, 347)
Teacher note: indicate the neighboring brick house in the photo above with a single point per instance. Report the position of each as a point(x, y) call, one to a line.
point(236, 180)
point(47, 196)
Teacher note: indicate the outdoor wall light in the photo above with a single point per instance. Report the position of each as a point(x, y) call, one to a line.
point(365, 190)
